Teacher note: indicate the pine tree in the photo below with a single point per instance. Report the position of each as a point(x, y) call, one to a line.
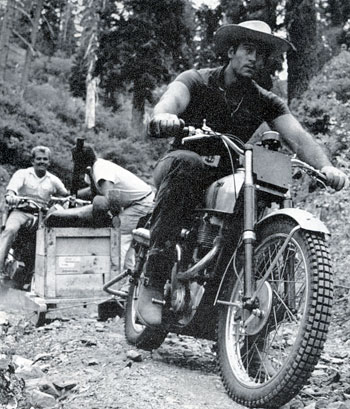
point(143, 42)
point(207, 23)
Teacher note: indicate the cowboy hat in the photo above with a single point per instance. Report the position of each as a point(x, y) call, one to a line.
point(252, 30)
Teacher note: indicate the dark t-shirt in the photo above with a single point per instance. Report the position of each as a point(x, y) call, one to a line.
point(239, 110)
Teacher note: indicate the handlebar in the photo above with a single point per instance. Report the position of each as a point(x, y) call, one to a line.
point(310, 170)
point(71, 199)
point(30, 200)
point(192, 134)
point(206, 133)
point(62, 200)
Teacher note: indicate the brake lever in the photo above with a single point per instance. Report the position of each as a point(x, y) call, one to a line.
point(194, 138)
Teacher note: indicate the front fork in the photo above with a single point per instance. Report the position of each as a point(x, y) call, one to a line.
point(249, 235)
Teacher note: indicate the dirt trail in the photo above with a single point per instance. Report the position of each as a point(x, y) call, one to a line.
point(91, 366)
point(103, 371)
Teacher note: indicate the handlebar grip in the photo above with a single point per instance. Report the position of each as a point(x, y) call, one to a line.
point(156, 129)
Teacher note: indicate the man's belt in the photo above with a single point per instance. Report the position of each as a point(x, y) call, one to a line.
point(144, 197)
point(139, 200)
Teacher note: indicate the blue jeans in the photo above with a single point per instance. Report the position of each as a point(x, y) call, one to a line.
point(129, 219)
point(180, 178)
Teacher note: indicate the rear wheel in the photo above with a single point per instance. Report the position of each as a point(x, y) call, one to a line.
point(265, 359)
point(137, 334)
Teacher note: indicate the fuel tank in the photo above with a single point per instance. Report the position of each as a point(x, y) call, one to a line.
point(221, 195)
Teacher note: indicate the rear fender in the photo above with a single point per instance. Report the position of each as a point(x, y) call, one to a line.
point(304, 219)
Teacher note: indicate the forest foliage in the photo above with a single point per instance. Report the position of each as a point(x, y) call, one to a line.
point(137, 52)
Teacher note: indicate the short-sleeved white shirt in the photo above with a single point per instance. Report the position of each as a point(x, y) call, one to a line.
point(25, 182)
point(129, 186)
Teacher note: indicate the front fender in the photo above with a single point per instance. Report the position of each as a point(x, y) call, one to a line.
point(304, 219)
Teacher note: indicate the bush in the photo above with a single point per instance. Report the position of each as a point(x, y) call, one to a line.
point(49, 115)
point(40, 94)
point(54, 69)
point(114, 125)
point(324, 108)
point(57, 101)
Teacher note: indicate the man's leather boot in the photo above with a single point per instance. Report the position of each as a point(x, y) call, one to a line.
point(150, 301)
point(95, 214)
point(149, 305)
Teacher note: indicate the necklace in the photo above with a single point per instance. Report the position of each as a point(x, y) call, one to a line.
point(229, 103)
point(237, 107)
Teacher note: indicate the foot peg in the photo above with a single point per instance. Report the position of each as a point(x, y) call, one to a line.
point(159, 302)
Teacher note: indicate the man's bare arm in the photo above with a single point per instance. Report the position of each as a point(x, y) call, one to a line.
point(174, 101)
point(308, 150)
point(105, 186)
point(165, 121)
point(300, 142)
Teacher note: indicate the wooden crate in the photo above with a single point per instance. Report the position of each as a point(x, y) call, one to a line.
point(75, 263)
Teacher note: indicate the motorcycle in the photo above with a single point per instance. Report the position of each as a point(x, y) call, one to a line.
point(251, 272)
point(20, 261)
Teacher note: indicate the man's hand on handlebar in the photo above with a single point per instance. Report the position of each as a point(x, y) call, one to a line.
point(336, 178)
point(12, 200)
point(165, 125)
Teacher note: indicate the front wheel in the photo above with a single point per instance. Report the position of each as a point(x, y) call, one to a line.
point(266, 358)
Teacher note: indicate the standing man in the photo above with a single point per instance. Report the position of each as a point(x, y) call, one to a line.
point(230, 102)
point(34, 182)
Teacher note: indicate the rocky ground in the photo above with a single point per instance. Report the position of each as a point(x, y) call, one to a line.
point(75, 361)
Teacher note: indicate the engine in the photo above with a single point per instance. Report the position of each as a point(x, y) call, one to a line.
point(207, 232)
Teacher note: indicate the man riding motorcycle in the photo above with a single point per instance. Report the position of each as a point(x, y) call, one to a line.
point(230, 101)
point(35, 182)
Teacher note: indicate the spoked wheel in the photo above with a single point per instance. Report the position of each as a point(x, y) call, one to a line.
point(266, 357)
point(136, 333)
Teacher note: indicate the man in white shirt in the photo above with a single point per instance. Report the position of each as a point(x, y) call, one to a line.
point(128, 195)
point(34, 182)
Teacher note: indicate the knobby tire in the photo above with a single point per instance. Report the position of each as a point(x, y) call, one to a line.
point(268, 369)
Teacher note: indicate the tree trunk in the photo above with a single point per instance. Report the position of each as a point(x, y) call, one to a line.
point(66, 15)
point(138, 107)
point(5, 38)
point(30, 50)
point(301, 25)
point(265, 10)
point(90, 102)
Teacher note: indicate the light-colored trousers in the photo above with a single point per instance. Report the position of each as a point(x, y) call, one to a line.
point(15, 221)
point(129, 218)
